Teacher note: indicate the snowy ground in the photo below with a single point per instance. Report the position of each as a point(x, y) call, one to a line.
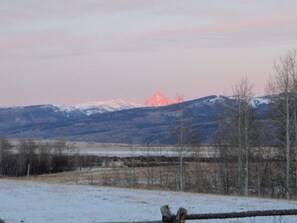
point(43, 202)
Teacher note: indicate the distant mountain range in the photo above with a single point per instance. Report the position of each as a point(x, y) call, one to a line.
point(118, 121)
point(24, 115)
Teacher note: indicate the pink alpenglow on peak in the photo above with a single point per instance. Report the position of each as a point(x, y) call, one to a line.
point(159, 99)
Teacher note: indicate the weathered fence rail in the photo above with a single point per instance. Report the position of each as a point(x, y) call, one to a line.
point(244, 214)
point(182, 216)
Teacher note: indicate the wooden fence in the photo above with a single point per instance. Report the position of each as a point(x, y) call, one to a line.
point(182, 216)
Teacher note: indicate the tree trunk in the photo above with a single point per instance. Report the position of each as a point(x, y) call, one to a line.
point(295, 134)
point(181, 161)
point(197, 171)
point(288, 150)
point(239, 150)
point(181, 151)
point(246, 138)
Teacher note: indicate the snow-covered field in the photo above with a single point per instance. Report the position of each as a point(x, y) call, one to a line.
point(43, 202)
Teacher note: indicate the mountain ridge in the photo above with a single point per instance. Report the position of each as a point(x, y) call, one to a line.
point(142, 125)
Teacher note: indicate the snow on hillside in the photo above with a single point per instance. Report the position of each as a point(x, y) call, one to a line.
point(255, 101)
point(99, 107)
point(213, 99)
point(42, 202)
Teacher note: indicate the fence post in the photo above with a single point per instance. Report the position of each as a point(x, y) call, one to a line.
point(166, 214)
point(181, 216)
point(168, 217)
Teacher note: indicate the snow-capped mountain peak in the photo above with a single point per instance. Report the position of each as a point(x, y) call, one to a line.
point(159, 99)
point(91, 108)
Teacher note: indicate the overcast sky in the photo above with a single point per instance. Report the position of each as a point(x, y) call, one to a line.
point(73, 51)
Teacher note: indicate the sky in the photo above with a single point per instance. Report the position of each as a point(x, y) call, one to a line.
point(75, 51)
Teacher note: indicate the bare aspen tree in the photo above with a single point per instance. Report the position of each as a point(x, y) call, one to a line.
point(226, 154)
point(196, 145)
point(293, 64)
point(180, 134)
point(234, 138)
point(162, 175)
point(283, 85)
point(244, 95)
point(185, 134)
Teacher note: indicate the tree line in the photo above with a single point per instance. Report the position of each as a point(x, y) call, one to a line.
point(28, 157)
